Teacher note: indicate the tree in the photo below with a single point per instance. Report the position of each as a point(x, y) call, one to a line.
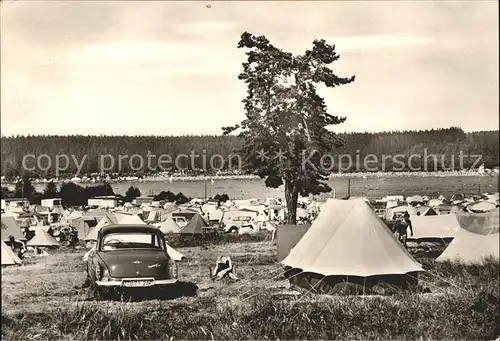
point(72, 195)
point(165, 195)
point(181, 199)
point(286, 120)
point(132, 193)
point(50, 191)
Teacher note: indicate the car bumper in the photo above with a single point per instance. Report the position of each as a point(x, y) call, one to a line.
point(119, 283)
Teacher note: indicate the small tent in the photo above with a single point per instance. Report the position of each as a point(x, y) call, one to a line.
point(348, 239)
point(424, 211)
point(8, 256)
point(195, 226)
point(435, 227)
point(169, 226)
point(83, 225)
point(128, 219)
point(481, 207)
point(108, 219)
point(10, 227)
point(468, 247)
point(42, 238)
point(174, 254)
point(435, 202)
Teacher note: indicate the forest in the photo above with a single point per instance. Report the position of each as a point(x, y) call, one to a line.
point(446, 143)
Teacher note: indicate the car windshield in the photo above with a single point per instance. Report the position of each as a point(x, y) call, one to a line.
point(132, 240)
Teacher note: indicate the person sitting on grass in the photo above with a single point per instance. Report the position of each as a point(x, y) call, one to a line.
point(17, 247)
point(224, 267)
point(40, 252)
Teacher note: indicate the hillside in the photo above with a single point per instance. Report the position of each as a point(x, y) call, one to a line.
point(87, 150)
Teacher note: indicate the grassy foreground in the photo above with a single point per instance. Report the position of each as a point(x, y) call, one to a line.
point(39, 301)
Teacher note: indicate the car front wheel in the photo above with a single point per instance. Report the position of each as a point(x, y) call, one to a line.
point(233, 229)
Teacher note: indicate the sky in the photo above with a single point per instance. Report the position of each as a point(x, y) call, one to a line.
point(171, 68)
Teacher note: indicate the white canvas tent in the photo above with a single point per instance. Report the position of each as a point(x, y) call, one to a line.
point(8, 256)
point(174, 254)
point(42, 238)
point(169, 226)
point(482, 206)
point(468, 247)
point(10, 227)
point(435, 202)
point(108, 219)
point(125, 219)
point(436, 226)
point(348, 239)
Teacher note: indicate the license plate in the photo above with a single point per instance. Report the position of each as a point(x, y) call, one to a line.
point(137, 283)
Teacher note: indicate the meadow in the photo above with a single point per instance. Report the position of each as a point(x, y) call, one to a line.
point(44, 300)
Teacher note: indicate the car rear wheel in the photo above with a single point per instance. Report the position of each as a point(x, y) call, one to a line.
point(233, 229)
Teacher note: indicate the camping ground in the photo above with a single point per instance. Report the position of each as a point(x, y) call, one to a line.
point(41, 300)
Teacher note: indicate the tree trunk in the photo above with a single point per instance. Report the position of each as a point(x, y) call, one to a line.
point(291, 197)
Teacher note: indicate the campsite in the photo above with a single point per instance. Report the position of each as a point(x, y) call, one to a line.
point(270, 170)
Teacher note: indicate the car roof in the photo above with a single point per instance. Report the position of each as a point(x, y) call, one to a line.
point(127, 228)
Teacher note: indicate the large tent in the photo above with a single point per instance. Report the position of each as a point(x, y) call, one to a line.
point(42, 238)
point(348, 239)
point(10, 227)
point(8, 256)
point(435, 227)
point(169, 226)
point(468, 247)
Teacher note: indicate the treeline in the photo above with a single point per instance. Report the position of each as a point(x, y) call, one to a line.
point(93, 154)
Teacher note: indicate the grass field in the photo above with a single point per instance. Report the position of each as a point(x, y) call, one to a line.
point(40, 301)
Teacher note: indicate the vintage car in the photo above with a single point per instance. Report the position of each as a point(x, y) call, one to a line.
point(234, 224)
point(130, 256)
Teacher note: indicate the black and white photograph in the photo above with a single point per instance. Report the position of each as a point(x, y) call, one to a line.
point(250, 170)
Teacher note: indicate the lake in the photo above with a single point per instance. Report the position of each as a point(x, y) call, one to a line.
point(371, 187)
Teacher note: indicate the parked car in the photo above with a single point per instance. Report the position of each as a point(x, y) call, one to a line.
point(234, 224)
point(130, 257)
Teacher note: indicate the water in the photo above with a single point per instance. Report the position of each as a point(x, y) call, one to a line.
point(371, 187)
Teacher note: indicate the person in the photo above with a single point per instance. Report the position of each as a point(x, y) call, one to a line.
point(17, 247)
point(402, 230)
point(224, 267)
